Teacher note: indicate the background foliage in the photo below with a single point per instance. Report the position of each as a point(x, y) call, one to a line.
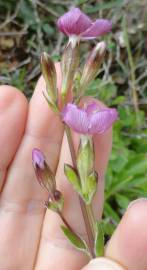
point(28, 27)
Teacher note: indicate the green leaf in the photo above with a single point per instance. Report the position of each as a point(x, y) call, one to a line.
point(109, 212)
point(51, 105)
point(75, 240)
point(72, 177)
point(91, 187)
point(122, 201)
point(99, 242)
point(85, 160)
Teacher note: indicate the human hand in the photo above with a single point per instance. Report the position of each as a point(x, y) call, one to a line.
point(30, 236)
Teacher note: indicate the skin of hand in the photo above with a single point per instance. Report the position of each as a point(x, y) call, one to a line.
point(30, 236)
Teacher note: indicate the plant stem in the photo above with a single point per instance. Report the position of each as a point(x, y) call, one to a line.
point(66, 223)
point(71, 146)
point(132, 71)
point(86, 210)
point(91, 218)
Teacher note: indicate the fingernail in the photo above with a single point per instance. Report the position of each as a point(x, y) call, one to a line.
point(136, 202)
point(103, 264)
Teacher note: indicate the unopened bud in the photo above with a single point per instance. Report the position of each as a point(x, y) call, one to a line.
point(50, 77)
point(44, 174)
point(69, 65)
point(92, 66)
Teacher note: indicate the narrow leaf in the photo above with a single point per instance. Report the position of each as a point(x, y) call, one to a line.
point(75, 240)
point(99, 242)
point(85, 160)
point(72, 177)
point(91, 186)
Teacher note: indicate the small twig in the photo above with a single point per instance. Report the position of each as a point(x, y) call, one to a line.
point(58, 46)
point(5, 79)
point(62, 3)
point(38, 22)
point(48, 9)
point(132, 70)
point(142, 76)
point(10, 18)
point(35, 72)
point(9, 34)
point(21, 64)
point(107, 68)
point(138, 136)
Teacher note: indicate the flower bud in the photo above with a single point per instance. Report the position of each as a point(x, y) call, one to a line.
point(44, 175)
point(50, 77)
point(69, 65)
point(92, 65)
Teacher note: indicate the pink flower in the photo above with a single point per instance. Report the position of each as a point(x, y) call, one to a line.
point(76, 23)
point(38, 159)
point(43, 173)
point(90, 120)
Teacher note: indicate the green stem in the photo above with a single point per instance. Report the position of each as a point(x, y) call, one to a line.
point(91, 218)
point(66, 223)
point(86, 210)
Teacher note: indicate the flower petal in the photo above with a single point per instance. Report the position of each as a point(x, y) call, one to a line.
point(38, 158)
point(102, 120)
point(73, 22)
point(91, 108)
point(75, 118)
point(98, 28)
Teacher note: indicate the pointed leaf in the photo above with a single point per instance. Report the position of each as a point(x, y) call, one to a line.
point(91, 185)
point(75, 240)
point(85, 159)
point(72, 177)
point(51, 105)
point(99, 241)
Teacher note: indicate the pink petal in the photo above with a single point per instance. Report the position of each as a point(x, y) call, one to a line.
point(75, 118)
point(102, 120)
point(91, 108)
point(38, 158)
point(73, 22)
point(98, 28)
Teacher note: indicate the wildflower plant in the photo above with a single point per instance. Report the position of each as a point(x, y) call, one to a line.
point(87, 120)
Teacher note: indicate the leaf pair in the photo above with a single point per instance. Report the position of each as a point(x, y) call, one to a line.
point(87, 192)
point(81, 245)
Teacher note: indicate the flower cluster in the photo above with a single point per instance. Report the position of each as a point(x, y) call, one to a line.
point(88, 120)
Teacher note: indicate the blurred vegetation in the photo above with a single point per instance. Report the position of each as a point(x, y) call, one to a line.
point(29, 27)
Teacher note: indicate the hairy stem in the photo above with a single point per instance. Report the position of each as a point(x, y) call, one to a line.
point(86, 211)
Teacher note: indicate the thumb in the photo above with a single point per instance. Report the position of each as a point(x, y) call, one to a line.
point(103, 264)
